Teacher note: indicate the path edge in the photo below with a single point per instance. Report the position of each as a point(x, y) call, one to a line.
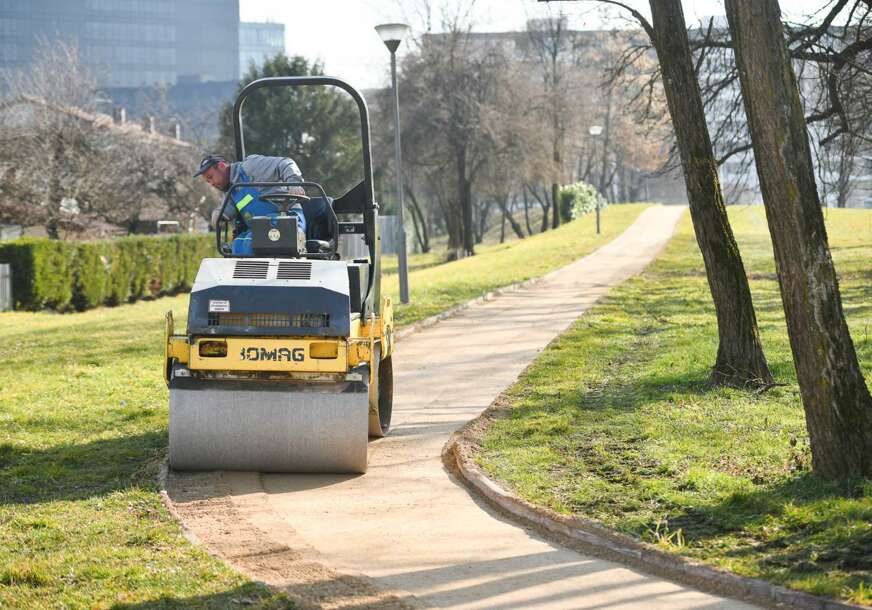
point(162, 478)
point(591, 537)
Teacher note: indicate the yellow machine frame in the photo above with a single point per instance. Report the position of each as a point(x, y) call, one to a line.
point(295, 357)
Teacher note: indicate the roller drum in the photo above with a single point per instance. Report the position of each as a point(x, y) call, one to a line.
point(274, 427)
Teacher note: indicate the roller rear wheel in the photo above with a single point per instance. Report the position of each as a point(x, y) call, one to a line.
point(381, 398)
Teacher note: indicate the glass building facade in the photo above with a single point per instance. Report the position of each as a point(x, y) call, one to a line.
point(258, 42)
point(129, 43)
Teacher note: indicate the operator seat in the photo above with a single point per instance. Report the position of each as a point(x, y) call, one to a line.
point(319, 224)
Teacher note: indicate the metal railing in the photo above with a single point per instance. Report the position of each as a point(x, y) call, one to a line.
point(5, 287)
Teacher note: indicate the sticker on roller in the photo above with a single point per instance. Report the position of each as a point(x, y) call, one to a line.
point(216, 306)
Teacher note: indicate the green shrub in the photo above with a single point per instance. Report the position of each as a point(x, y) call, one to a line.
point(122, 268)
point(41, 276)
point(90, 271)
point(578, 199)
point(50, 274)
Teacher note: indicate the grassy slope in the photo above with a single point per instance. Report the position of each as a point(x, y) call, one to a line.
point(615, 422)
point(83, 412)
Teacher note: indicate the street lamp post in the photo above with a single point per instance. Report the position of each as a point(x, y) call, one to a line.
point(595, 131)
point(392, 34)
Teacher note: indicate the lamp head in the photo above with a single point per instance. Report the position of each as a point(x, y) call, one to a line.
point(392, 34)
point(595, 130)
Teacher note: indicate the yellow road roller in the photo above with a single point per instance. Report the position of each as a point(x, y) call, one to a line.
point(285, 364)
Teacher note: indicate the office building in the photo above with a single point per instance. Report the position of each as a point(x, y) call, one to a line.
point(259, 42)
point(129, 43)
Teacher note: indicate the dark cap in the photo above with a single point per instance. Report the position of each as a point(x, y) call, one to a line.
point(207, 162)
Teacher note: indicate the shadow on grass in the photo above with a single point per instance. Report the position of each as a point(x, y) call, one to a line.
point(802, 525)
point(250, 595)
point(636, 393)
point(31, 475)
point(857, 300)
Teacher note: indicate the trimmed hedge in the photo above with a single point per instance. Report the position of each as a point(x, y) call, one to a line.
point(65, 276)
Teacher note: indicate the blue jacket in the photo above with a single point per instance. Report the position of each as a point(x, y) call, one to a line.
point(247, 202)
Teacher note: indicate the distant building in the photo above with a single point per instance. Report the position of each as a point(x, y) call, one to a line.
point(208, 39)
point(259, 42)
point(129, 43)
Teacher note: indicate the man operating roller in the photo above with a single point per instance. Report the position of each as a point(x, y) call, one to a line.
point(247, 200)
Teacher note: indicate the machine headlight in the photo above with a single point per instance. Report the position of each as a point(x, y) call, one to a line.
point(213, 349)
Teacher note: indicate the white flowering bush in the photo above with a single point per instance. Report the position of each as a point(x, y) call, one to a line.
point(579, 198)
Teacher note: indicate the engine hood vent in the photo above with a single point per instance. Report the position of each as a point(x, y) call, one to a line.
point(294, 270)
point(250, 270)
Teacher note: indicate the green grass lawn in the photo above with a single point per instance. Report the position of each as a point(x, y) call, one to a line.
point(616, 422)
point(83, 428)
point(82, 432)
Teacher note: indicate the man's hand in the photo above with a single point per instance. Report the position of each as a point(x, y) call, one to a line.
point(214, 222)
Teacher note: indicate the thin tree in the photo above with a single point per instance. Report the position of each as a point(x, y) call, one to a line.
point(838, 407)
point(549, 40)
point(740, 360)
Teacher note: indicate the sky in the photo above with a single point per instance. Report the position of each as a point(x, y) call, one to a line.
point(341, 32)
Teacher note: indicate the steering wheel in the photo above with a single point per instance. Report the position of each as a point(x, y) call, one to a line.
point(281, 197)
point(284, 200)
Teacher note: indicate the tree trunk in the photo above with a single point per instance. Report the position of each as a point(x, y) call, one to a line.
point(483, 214)
point(838, 407)
point(558, 135)
point(740, 360)
point(417, 231)
point(544, 204)
point(603, 183)
point(507, 215)
point(622, 189)
point(587, 173)
point(503, 225)
point(545, 217)
point(424, 235)
point(555, 205)
point(466, 208)
point(527, 212)
point(847, 155)
point(55, 192)
point(453, 226)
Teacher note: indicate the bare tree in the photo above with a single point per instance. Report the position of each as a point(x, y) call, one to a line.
point(835, 84)
point(455, 85)
point(740, 360)
point(837, 403)
point(635, 119)
point(70, 169)
point(48, 167)
point(551, 44)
